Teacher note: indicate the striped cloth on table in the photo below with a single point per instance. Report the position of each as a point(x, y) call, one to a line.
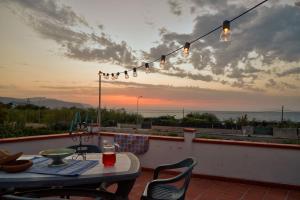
point(73, 168)
point(137, 144)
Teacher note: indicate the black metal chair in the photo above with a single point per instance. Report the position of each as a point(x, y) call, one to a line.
point(163, 188)
point(50, 194)
point(85, 148)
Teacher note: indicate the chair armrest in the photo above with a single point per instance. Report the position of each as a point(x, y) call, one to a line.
point(167, 180)
point(181, 164)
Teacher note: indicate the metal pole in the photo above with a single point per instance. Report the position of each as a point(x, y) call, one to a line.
point(99, 111)
point(137, 110)
point(99, 102)
point(282, 114)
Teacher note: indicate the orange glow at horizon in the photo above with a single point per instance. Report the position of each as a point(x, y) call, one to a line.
point(123, 100)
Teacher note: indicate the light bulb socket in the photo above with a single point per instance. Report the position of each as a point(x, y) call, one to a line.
point(162, 59)
point(134, 72)
point(126, 75)
point(186, 46)
point(226, 25)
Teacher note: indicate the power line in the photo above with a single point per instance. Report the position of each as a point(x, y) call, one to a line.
point(191, 42)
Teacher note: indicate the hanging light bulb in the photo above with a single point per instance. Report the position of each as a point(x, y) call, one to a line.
point(117, 75)
point(162, 61)
point(107, 76)
point(126, 75)
point(186, 49)
point(99, 73)
point(147, 67)
point(226, 33)
point(113, 77)
point(134, 72)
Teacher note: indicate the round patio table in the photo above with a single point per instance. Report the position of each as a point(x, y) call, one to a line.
point(124, 173)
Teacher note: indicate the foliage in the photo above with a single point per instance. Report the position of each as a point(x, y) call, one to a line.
point(203, 120)
point(167, 120)
point(14, 120)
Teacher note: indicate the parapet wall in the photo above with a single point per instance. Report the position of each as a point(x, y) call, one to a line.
point(262, 162)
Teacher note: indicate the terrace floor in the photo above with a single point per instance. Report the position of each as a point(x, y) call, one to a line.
point(206, 189)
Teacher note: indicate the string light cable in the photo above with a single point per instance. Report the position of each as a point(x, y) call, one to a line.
point(225, 36)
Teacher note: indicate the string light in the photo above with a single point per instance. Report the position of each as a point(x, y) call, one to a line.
point(224, 36)
point(99, 73)
point(147, 67)
point(113, 76)
point(186, 49)
point(162, 61)
point(226, 33)
point(134, 72)
point(126, 75)
point(117, 75)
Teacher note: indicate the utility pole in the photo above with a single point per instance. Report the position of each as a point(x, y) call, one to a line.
point(282, 113)
point(182, 113)
point(137, 110)
point(99, 102)
point(99, 111)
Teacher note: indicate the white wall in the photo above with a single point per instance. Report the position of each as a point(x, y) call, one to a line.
point(276, 165)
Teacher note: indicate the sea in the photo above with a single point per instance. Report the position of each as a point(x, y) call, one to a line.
point(225, 115)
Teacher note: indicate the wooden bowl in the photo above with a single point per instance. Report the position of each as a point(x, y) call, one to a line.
point(17, 166)
point(9, 158)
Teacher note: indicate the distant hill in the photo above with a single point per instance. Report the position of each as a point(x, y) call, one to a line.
point(43, 101)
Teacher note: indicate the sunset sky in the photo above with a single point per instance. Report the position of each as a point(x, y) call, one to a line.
point(55, 49)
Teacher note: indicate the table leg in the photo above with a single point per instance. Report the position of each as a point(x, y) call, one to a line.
point(124, 188)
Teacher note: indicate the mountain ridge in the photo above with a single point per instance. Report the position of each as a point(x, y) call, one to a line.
point(43, 101)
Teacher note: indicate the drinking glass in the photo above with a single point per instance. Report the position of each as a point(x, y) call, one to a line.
point(109, 155)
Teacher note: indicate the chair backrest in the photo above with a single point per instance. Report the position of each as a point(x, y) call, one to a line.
point(85, 148)
point(189, 164)
point(185, 175)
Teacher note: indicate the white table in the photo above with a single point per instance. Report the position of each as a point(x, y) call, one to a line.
point(125, 171)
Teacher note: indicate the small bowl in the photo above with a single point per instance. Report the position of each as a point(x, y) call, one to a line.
point(57, 155)
point(9, 158)
point(17, 166)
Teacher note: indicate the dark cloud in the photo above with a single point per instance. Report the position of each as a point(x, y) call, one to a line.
point(209, 4)
point(271, 32)
point(288, 72)
point(175, 7)
point(101, 26)
point(280, 85)
point(240, 83)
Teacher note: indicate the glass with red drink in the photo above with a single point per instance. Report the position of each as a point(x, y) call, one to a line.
point(108, 155)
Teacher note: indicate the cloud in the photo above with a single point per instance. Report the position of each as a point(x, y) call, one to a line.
point(48, 9)
point(288, 72)
point(175, 7)
point(209, 4)
point(7, 87)
point(280, 85)
point(214, 99)
point(271, 32)
point(59, 23)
